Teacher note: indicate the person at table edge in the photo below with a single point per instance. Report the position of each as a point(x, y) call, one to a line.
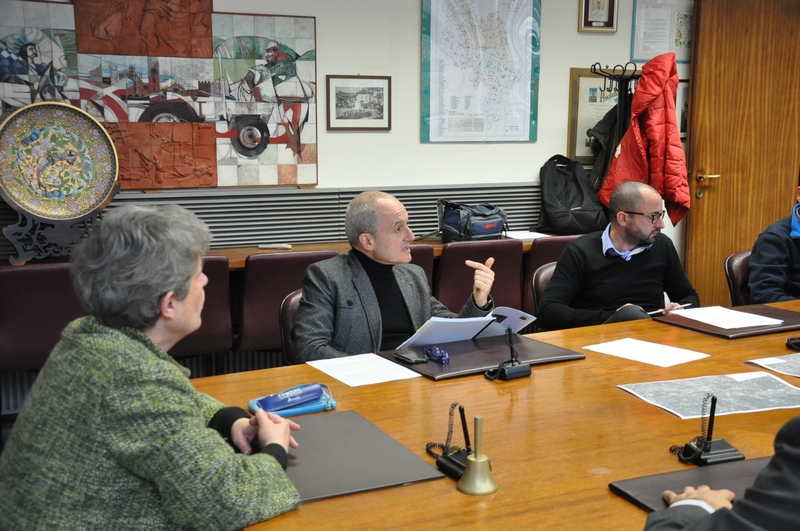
point(372, 298)
point(113, 435)
point(771, 503)
point(620, 273)
point(775, 261)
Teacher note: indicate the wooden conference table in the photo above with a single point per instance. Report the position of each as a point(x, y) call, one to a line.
point(555, 440)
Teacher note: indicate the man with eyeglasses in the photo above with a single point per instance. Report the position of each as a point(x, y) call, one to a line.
point(620, 273)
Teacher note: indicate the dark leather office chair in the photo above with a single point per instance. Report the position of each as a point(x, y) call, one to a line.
point(288, 314)
point(454, 279)
point(541, 278)
point(737, 271)
point(216, 331)
point(268, 278)
point(422, 255)
point(543, 251)
point(38, 301)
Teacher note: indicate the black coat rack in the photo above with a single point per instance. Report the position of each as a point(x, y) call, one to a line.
point(619, 79)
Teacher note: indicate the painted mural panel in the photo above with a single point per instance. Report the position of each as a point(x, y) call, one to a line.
point(173, 28)
point(265, 71)
point(257, 94)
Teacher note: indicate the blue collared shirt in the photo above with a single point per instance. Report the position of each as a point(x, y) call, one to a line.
point(610, 250)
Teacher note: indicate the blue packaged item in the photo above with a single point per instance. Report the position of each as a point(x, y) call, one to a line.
point(298, 400)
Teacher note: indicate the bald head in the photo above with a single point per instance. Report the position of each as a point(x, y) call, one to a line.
point(628, 196)
point(362, 214)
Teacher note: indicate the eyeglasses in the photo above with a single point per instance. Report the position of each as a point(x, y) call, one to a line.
point(438, 355)
point(653, 217)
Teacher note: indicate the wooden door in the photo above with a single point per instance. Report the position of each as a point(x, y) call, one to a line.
point(743, 127)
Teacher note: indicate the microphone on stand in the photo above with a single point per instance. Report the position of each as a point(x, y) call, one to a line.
point(512, 369)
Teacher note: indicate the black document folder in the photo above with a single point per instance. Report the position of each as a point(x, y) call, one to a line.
point(791, 321)
point(474, 356)
point(645, 492)
point(342, 453)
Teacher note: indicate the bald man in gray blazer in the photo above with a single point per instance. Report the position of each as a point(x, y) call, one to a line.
point(372, 298)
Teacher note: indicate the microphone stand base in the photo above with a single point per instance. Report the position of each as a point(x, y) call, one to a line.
point(515, 371)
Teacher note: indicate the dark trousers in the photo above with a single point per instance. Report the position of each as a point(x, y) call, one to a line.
point(627, 313)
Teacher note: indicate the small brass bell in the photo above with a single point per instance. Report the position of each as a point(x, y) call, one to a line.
point(477, 478)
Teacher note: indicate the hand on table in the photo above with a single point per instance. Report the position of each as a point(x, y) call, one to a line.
point(717, 499)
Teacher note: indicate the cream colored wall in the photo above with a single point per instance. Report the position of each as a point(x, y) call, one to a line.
point(382, 37)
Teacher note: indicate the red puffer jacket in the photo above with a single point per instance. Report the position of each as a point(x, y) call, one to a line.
point(650, 150)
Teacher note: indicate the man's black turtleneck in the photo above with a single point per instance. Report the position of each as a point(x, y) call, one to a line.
point(395, 319)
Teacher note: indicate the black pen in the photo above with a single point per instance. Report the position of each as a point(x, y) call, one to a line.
point(464, 425)
point(711, 418)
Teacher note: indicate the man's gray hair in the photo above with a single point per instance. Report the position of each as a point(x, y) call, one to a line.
point(362, 216)
point(627, 196)
point(132, 258)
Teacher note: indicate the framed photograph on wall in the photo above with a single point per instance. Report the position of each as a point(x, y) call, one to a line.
point(589, 101)
point(597, 16)
point(359, 103)
point(682, 106)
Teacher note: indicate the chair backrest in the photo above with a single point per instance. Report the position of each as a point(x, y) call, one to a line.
point(422, 255)
point(268, 278)
point(737, 271)
point(543, 251)
point(38, 301)
point(216, 331)
point(454, 279)
point(288, 314)
point(541, 278)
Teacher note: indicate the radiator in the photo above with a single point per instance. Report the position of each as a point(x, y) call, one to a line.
point(240, 217)
point(13, 388)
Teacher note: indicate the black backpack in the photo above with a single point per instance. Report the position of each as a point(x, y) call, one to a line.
point(569, 204)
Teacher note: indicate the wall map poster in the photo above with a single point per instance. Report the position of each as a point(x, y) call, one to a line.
point(243, 116)
point(480, 70)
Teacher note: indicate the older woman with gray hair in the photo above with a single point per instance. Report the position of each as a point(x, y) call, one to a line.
point(113, 434)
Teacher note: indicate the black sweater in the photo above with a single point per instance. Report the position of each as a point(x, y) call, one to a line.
point(588, 287)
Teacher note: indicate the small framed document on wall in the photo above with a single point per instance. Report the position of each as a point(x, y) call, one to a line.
point(661, 26)
point(597, 16)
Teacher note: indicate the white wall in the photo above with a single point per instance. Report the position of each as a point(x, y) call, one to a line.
point(382, 37)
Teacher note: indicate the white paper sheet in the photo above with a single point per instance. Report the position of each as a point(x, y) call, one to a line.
point(525, 235)
point(506, 317)
point(363, 369)
point(646, 352)
point(727, 318)
point(444, 330)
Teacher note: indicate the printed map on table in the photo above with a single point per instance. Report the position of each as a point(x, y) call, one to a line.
point(736, 393)
point(788, 365)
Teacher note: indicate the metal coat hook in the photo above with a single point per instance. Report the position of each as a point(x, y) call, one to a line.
point(618, 79)
point(618, 72)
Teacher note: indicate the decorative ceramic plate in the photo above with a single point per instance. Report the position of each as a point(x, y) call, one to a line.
point(56, 162)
